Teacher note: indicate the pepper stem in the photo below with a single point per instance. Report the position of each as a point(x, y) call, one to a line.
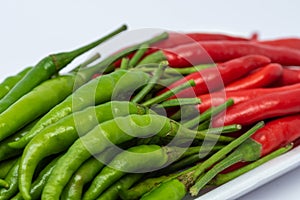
point(223, 178)
point(3, 184)
point(107, 64)
point(62, 59)
point(208, 114)
point(138, 55)
point(124, 63)
point(174, 71)
point(230, 160)
point(220, 154)
point(169, 93)
point(155, 57)
point(157, 74)
point(87, 62)
point(179, 102)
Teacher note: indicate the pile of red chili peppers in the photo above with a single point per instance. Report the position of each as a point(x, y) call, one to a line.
point(199, 108)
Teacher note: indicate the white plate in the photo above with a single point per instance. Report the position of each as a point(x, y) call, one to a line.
point(256, 177)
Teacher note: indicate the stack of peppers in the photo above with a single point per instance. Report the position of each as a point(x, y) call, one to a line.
point(158, 120)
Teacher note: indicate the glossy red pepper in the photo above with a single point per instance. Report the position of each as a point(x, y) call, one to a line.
point(288, 77)
point(215, 78)
point(258, 79)
point(222, 51)
point(177, 38)
point(293, 43)
point(217, 98)
point(261, 108)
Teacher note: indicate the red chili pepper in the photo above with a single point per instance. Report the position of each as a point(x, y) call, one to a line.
point(293, 43)
point(275, 134)
point(214, 78)
point(176, 39)
point(222, 51)
point(217, 98)
point(258, 79)
point(288, 77)
point(261, 108)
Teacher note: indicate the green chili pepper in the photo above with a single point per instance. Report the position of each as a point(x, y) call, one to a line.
point(6, 151)
point(6, 165)
point(173, 189)
point(62, 134)
point(147, 185)
point(45, 68)
point(116, 131)
point(124, 183)
point(97, 91)
point(12, 179)
point(85, 174)
point(11, 81)
point(153, 157)
point(48, 93)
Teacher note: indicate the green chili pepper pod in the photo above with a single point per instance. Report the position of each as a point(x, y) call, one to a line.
point(39, 182)
point(12, 179)
point(85, 174)
point(124, 183)
point(11, 81)
point(108, 134)
point(97, 91)
point(6, 151)
point(59, 136)
point(6, 165)
point(44, 69)
point(172, 189)
point(43, 97)
point(153, 157)
point(116, 131)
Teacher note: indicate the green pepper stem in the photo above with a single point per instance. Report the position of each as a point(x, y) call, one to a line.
point(224, 129)
point(138, 55)
point(179, 102)
point(157, 74)
point(208, 114)
point(87, 62)
point(3, 184)
point(221, 154)
point(155, 57)
point(124, 63)
point(169, 93)
point(107, 63)
point(204, 125)
point(223, 178)
point(175, 71)
point(230, 160)
point(61, 59)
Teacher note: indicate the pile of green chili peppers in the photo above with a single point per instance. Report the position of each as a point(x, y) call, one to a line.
point(101, 132)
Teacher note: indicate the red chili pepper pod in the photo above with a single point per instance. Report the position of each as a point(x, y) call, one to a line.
point(278, 133)
point(260, 78)
point(177, 38)
point(261, 108)
point(214, 78)
point(293, 43)
point(217, 98)
point(288, 77)
point(222, 51)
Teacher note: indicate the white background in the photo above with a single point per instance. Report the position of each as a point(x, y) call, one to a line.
point(31, 29)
